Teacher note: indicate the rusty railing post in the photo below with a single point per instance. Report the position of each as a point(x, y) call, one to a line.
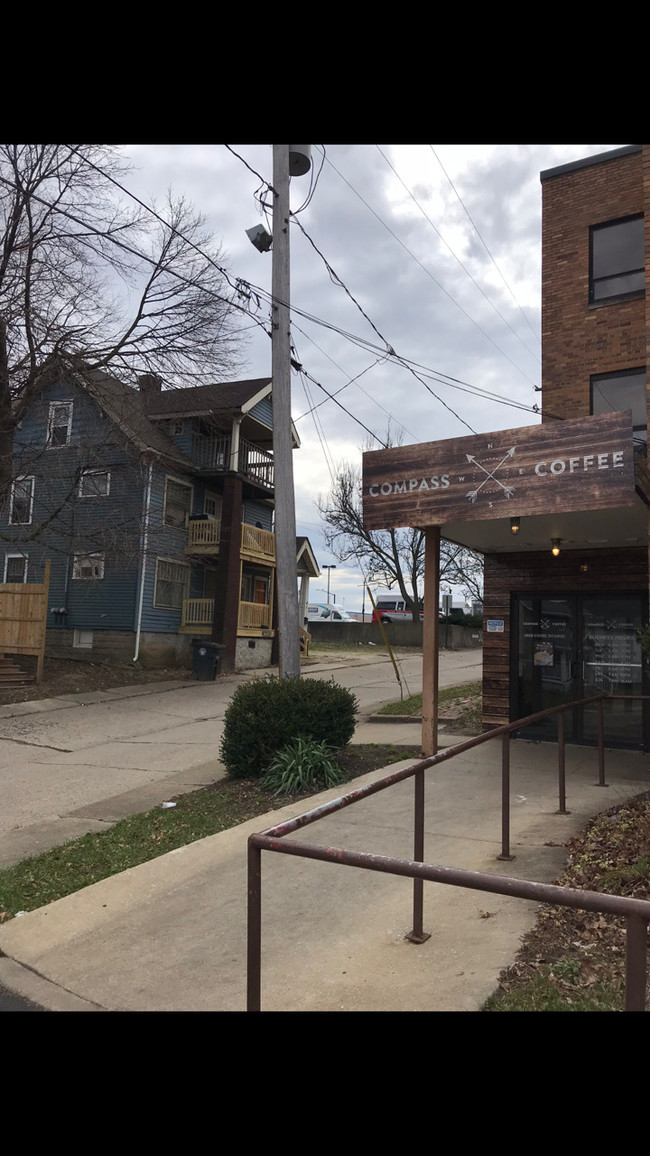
point(635, 963)
point(254, 946)
point(561, 771)
point(601, 743)
point(505, 799)
point(418, 934)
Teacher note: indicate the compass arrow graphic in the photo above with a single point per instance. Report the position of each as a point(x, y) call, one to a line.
point(490, 475)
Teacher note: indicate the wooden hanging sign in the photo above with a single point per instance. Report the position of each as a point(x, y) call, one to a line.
point(582, 464)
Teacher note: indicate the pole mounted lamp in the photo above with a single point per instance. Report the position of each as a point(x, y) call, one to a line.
point(328, 568)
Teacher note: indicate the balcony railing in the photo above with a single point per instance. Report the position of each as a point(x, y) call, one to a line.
point(198, 613)
point(214, 454)
point(256, 464)
point(204, 536)
point(257, 542)
point(254, 615)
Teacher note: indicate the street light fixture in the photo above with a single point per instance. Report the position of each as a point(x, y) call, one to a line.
point(328, 568)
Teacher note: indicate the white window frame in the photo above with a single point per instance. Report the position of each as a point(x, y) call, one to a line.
point(211, 496)
point(185, 591)
point(83, 639)
point(95, 473)
point(25, 561)
point(188, 486)
point(80, 562)
point(52, 424)
point(12, 521)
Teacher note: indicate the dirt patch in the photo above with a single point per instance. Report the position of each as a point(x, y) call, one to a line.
point(70, 676)
point(577, 951)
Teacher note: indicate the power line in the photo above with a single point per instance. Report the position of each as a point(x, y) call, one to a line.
point(429, 273)
point(454, 255)
point(261, 293)
point(478, 233)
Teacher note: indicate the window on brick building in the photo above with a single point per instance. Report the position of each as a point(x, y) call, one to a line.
point(611, 392)
point(617, 264)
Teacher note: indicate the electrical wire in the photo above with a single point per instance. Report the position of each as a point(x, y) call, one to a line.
point(478, 233)
point(429, 273)
point(454, 254)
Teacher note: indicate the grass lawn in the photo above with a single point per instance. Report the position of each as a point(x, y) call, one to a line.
point(43, 878)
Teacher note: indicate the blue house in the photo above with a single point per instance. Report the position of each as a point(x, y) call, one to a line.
point(155, 508)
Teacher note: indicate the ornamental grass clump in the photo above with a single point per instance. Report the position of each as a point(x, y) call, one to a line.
point(302, 765)
point(266, 715)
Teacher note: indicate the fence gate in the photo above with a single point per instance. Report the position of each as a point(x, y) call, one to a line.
point(23, 618)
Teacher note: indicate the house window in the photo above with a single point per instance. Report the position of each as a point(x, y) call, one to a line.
point(175, 426)
point(59, 424)
point(617, 265)
point(94, 484)
point(15, 568)
point(212, 505)
point(22, 502)
point(611, 392)
point(171, 585)
point(178, 503)
point(83, 639)
point(88, 566)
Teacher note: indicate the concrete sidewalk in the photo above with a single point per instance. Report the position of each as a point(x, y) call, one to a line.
point(170, 935)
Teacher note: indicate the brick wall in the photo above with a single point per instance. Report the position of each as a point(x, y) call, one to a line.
point(579, 339)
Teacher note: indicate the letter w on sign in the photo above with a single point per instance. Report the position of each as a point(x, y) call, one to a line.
point(490, 475)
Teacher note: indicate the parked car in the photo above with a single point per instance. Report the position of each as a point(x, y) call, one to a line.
point(327, 612)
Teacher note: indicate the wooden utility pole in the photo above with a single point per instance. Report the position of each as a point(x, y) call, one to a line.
point(285, 507)
point(430, 641)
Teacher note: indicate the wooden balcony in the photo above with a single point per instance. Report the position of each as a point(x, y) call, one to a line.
point(197, 615)
point(213, 455)
point(257, 544)
point(204, 538)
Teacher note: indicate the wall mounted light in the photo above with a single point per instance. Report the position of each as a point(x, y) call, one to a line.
point(555, 546)
point(584, 567)
point(514, 525)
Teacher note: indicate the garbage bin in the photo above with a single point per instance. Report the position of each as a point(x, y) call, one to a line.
point(206, 656)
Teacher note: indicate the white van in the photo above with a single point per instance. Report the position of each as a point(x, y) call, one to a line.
point(327, 612)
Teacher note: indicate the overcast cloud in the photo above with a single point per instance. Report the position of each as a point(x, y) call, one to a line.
point(401, 240)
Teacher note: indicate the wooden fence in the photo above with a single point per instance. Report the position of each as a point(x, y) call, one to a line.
point(23, 618)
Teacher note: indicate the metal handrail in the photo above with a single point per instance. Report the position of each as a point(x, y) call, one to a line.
point(636, 912)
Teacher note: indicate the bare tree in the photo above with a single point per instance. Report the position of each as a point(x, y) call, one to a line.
point(86, 274)
point(390, 557)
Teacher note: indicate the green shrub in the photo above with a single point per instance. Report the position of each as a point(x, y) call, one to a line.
point(267, 714)
point(302, 765)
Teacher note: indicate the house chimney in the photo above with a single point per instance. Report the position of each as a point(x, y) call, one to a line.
point(149, 385)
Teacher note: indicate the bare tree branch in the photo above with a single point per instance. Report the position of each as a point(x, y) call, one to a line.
point(83, 272)
point(390, 557)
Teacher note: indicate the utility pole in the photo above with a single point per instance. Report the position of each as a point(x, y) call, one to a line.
point(285, 507)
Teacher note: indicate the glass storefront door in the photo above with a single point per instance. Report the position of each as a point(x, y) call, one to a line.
point(574, 646)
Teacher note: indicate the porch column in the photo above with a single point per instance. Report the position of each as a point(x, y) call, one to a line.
point(430, 641)
point(228, 581)
point(234, 446)
point(303, 598)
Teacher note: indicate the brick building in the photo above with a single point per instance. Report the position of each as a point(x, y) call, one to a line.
point(594, 338)
point(559, 511)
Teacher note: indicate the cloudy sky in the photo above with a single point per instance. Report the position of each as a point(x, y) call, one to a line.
point(439, 245)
